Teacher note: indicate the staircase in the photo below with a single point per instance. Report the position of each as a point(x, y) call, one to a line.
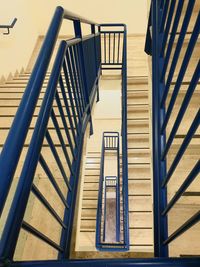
point(60, 214)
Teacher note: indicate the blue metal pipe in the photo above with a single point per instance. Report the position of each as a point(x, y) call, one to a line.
point(16, 137)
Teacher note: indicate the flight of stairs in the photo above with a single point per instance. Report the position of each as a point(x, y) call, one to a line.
point(140, 190)
point(10, 95)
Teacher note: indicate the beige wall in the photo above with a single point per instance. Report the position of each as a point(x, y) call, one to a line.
point(131, 12)
point(34, 17)
point(16, 48)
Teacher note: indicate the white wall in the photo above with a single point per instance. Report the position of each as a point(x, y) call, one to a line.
point(34, 17)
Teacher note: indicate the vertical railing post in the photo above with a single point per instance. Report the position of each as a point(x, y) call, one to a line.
point(96, 58)
point(78, 34)
point(159, 167)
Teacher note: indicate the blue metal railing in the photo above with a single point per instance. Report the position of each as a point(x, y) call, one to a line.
point(112, 46)
point(165, 20)
point(110, 142)
point(69, 94)
point(114, 36)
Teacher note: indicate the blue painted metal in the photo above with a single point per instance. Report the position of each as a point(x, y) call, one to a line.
point(81, 61)
point(166, 17)
point(112, 59)
point(110, 142)
point(160, 195)
point(183, 228)
point(190, 178)
point(178, 50)
point(14, 143)
point(78, 102)
point(154, 262)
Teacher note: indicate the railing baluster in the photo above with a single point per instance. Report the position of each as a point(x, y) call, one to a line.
point(67, 109)
point(190, 178)
point(171, 39)
point(105, 47)
point(187, 225)
point(164, 16)
point(119, 36)
point(178, 50)
point(57, 158)
point(72, 85)
point(75, 81)
point(80, 81)
point(44, 201)
point(109, 47)
point(52, 180)
point(167, 27)
point(113, 47)
point(29, 228)
point(65, 124)
point(182, 72)
point(58, 131)
point(182, 110)
point(183, 147)
point(71, 98)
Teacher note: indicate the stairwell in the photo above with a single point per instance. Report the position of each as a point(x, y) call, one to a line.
point(139, 167)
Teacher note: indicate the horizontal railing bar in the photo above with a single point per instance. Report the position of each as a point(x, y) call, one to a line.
point(112, 25)
point(190, 178)
point(111, 244)
point(183, 147)
point(89, 36)
point(73, 41)
point(181, 74)
point(72, 16)
point(191, 194)
point(125, 262)
point(112, 63)
point(182, 110)
point(44, 201)
point(109, 68)
point(187, 225)
point(111, 31)
point(29, 228)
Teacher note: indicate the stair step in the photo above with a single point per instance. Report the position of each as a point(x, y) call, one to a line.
point(140, 204)
point(138, 141)
point(138, 237)
point(137, 112)
point(139, 188)
point(138, 87)
point(139, 171)
point(140, 126)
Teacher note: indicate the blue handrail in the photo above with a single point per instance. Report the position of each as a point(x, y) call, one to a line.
point(14, 143)
point(165, 17)
point(110, 142)
point(71, 80)
point(118, 34)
